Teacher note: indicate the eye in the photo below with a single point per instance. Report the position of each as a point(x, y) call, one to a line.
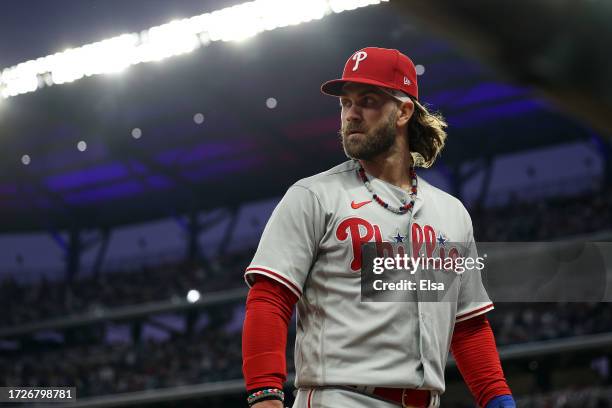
point(369, 101)
point(345, 103)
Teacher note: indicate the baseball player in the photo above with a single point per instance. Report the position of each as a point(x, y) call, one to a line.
point(350, 353)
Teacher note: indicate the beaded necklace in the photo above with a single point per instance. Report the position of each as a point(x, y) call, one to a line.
point(398, 210)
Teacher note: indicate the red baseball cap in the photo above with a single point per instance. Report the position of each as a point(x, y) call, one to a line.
point(377, 66)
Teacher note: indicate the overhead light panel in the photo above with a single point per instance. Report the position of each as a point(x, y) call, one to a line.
point(114, 55)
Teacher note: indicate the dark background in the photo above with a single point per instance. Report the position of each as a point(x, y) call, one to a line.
point(99, 248)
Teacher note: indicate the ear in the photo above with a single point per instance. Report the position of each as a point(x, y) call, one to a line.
point(405, 111)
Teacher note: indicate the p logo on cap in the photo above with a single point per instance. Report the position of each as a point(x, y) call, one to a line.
point(358, 57)
point(383, 67)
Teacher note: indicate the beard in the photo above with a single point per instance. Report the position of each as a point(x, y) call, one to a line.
point(370, 143)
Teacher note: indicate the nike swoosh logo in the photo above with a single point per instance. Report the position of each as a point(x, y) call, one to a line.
point(355, 205)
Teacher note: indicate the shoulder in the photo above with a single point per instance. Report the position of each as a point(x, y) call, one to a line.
point(315, 189)
point(337, 175)
point(444, 201)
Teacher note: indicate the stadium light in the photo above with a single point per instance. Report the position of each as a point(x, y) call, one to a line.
point(271, 103)
point(198, 118)
point(136, 133)
point(338, 6)
point(236, 23)
point(193, 296)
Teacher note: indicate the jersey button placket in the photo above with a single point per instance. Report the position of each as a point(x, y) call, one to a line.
point(420, 316)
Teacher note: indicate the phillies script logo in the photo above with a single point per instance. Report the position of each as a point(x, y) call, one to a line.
point(360, 231)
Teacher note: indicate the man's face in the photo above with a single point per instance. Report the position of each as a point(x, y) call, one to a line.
point(368, 118)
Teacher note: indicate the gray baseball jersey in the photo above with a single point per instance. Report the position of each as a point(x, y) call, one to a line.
point(312, 245)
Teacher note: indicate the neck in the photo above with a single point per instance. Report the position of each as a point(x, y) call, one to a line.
point(392, 167)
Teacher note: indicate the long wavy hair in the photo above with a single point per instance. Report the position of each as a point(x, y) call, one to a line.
point(426, 135)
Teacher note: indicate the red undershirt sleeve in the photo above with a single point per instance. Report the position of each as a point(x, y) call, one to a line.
point(473, 346)
point(269, 307)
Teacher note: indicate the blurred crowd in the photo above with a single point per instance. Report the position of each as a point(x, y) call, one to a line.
point(98, 369)
point(518, 323)
point(539, 221)
point(47, 299)
point(585, 398)
point(213, 353)
point(544, 219)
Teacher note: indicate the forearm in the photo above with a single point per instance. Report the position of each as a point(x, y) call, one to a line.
point(268, 310)
point(473, 346)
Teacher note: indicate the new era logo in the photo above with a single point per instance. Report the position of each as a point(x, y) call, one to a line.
point(406, 81)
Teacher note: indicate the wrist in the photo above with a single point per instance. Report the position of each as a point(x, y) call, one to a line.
point(501, 401)
point(268, 404)
point(255, 396)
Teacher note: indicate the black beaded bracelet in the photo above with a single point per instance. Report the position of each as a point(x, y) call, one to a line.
point(265, 394)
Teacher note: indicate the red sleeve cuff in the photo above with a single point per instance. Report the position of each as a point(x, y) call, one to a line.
point(473, 346)
point(269, 308)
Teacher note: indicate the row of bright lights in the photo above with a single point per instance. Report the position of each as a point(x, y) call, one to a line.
point(198, 119)
point(157, 43)
point(136, 133)
point(81, 147)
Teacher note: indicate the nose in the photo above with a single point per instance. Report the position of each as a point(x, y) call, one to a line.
point(352, 113)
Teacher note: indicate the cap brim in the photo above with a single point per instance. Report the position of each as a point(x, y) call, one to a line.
point(334, 87)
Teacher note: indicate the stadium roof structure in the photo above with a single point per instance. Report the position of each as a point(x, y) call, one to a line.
point(262, 124)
